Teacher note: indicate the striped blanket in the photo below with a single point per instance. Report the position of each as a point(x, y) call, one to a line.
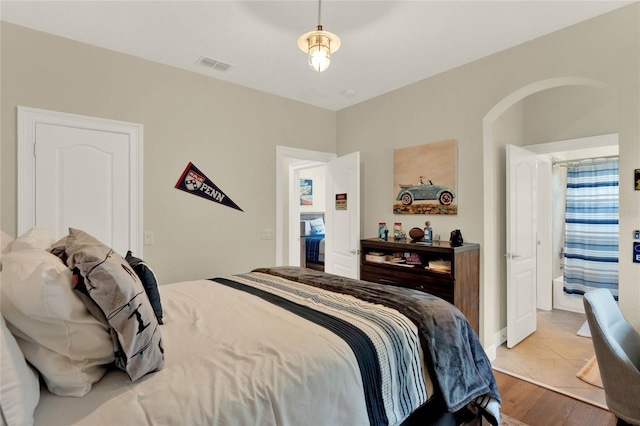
point(385, 343)
point(461, 370)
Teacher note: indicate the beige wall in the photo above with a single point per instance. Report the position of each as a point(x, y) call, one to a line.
point(229, 132)
point(463, 104)
point(569, 112)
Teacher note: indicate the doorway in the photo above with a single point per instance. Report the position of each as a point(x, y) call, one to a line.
point(495, 137)
point(549, 230)
point(342, 214)
point(288, 160)
point(310, 206)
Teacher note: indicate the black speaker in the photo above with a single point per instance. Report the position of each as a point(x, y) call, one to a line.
point(456, 238)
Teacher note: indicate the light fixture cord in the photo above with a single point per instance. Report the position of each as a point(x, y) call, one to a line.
point(319, 9)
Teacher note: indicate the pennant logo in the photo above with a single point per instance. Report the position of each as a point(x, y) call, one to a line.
point(195, 182)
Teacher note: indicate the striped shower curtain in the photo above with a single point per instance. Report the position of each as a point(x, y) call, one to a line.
point(591, 227)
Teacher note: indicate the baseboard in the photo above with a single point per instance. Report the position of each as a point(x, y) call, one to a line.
point(498, 339)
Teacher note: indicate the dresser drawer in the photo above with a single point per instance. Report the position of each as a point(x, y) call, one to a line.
point(397, 276)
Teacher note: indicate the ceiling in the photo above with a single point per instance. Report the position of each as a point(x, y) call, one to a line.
point(385, 44)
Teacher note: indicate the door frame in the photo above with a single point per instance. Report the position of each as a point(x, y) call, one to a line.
point(283, 184)
point(28, 118)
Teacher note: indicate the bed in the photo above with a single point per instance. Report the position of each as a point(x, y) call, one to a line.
point(281, 345)
point(312, 233)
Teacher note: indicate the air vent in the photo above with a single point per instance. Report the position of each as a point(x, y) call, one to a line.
point(213, 63)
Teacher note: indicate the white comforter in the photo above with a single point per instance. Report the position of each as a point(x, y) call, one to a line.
point(230, 359)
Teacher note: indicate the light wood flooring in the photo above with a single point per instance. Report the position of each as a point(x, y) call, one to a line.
point(538, 406)
point(553, 355)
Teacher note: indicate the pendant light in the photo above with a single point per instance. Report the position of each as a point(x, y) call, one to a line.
point(319, 45)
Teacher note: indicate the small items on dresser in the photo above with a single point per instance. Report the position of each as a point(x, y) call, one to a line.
point(440, 265)
point(382, 230)
point(456, 238)
point(414, 258)
point(397, 232)
point(374, 256)
point(416, 234)
point(428, 233)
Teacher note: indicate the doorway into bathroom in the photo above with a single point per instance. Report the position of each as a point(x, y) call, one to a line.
point(553, 160)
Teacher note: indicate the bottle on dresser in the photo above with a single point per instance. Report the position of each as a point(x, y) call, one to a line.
point(428, 233)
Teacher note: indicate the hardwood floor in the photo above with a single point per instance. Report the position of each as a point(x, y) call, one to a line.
point(538, 406)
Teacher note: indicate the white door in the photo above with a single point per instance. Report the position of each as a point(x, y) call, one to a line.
point(342, 216)
point(521, 244)
point(85, 175)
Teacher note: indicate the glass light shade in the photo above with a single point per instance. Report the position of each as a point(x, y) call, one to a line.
point(319, 52)
point(319, 45)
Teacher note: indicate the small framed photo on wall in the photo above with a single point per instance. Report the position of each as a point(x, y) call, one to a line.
point(306, 192)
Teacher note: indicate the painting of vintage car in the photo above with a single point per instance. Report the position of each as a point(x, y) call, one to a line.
point(408, 193)
point(415, 169)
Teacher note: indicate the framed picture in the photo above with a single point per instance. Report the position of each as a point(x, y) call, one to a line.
point(306, 192)
point(425, 179)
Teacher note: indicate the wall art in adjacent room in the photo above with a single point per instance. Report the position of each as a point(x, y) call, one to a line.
point(306, 192)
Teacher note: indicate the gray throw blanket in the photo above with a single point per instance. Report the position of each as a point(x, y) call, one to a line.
point(456, 359)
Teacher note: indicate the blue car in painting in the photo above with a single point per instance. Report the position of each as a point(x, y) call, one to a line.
point(408, 193)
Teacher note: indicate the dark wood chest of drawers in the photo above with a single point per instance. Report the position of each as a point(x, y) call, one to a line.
point(451, 273)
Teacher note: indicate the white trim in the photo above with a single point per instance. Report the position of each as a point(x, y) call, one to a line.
point(28, 118)
point(610, 139)
point(294, 257)
point(544, 269)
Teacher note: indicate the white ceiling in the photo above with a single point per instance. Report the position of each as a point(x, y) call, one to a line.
point(385, 44)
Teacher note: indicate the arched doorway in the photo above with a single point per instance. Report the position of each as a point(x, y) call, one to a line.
point(494, 170)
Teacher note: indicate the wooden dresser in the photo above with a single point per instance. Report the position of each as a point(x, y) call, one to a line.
point(451, 273)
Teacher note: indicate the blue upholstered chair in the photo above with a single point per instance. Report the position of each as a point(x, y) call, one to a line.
point(617, 348)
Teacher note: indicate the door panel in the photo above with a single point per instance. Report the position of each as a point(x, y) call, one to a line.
point(342, 238)
point(521, 244)
point(82, 181)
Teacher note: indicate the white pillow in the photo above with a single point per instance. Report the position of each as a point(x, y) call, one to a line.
point(5, 245)
point(54, 329)
point(5, 242)
point(19, 387)
point(114, 289)
point(32, 239)
point(307, 228)
point(317, 226)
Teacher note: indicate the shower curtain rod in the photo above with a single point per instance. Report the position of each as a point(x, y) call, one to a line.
point(558, 163)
